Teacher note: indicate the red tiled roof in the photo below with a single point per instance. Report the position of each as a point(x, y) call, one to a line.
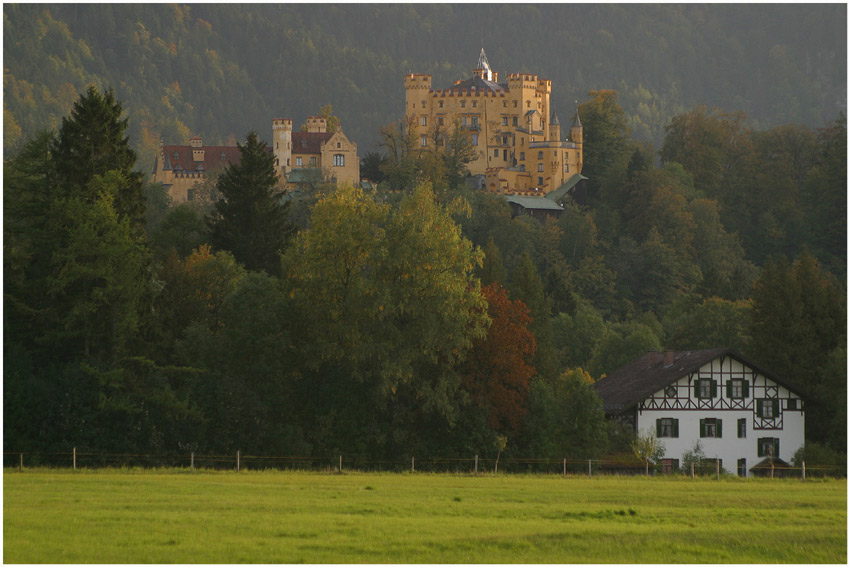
point(215, 157)
point(309, 142)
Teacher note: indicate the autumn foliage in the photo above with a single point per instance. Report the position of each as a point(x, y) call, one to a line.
point(496, 372)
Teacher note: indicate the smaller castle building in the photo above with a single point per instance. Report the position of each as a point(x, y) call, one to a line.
point(310, 156)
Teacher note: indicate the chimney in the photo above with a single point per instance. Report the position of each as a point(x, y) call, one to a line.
point(668, 358)
point(654, 357)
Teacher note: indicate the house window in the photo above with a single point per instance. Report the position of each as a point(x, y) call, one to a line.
point(737, 389)
point(670, 392)
point(792, 404)
point(666, 427)
point(742, 428)
point(669, 466)
point(742, 467)
point(475, 139)
point(312, 161)
point(767, 408)
point(339, 160)
point(423, 121)
point(706, 389)
point(423, 140)
point(768, 447)
point(711, 427)
point(504, 120)
point(540, 167)
point(298, 161)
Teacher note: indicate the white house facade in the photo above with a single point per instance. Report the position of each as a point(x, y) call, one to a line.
point(741, 414)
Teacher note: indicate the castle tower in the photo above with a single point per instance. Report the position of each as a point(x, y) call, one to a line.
point(282, 143)
point(577, 136)
point(554, 128)
point(416, 88)
point(317, 124)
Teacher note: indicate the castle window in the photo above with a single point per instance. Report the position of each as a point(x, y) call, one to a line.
point(423, 104)
point(423, 121)
point(474, 120)
point(475, 139)
point(339, 160)
point(474, 104)
point(339, 144)
point(504, 104)
point(496, 152)
point(566, 167)
point(540, 155)
point(190, 195)
point(522, 156)
point(504, 120)
point(463, 104)
point(516, 121)
point(303, 143)
point(463, 120)
point(423, 140)
point(514, 104)
point(540, 182)
point(313, 161)
point(441, 104)
point(540, 167)
point(440, 119)
point(298, 161)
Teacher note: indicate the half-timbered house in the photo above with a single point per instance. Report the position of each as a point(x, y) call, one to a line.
point(742, 414)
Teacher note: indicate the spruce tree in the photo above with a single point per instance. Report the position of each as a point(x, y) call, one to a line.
point(92, 142)
point(250, 219)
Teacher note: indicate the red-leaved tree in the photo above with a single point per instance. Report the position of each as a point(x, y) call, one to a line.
point(497, 371)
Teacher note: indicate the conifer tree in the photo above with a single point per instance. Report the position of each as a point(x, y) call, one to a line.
point(250, 220)
point(527, 286)
point(92, 142)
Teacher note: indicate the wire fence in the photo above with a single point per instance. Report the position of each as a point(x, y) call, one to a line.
point(238, 462)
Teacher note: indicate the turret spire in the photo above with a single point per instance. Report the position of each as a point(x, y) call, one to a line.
point(484, 64)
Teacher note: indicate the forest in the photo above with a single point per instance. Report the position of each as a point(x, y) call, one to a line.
point(419, 319)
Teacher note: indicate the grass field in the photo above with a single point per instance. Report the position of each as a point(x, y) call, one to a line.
point(288, 517)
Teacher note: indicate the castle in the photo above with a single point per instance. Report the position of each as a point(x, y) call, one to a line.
point(518, 136)
point(305, 157)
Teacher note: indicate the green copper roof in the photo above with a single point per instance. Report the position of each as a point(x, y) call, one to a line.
point(537, 203)
point(565, 187)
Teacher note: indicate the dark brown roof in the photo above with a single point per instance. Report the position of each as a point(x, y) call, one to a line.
point(309, 142)
point(482, 85)
point(630, 384)
point(215, 157)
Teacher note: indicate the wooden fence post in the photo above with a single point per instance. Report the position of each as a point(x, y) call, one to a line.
point(237, 461)
point(412, 464)
point(476, 464)
point(589, 469)
point(75, 458)
point(717, 464)
point(340, 464)
point(692, 470)
point(21, 465)
point(193, 461)
point(565, 466)
point(804, 467)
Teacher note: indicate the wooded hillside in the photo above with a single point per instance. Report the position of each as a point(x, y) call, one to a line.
point(220, 70)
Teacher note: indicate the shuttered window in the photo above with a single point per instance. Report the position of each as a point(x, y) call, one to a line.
point(737, 389)
point(711, 427)
point(666, 427)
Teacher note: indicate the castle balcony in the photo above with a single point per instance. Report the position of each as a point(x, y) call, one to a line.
point(472, 127)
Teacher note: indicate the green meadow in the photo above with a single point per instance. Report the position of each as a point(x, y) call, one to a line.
point(113, 516)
